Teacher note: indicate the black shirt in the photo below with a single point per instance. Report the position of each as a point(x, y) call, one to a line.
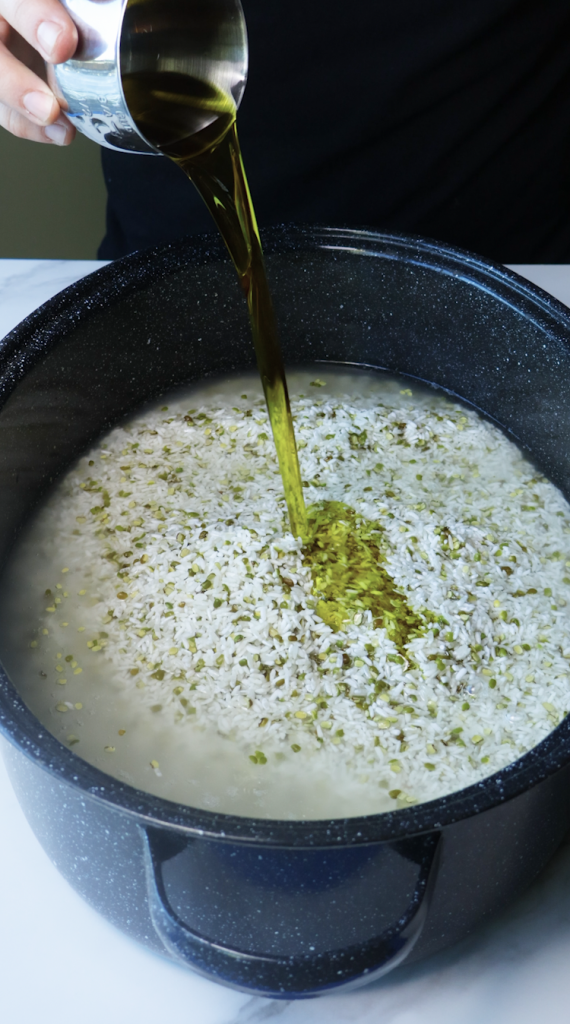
point(446, 118)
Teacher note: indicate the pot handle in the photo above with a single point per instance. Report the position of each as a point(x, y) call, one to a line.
point(286, 976)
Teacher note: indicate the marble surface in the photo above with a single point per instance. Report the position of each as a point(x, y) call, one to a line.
point(60, 960)
point(26, 284)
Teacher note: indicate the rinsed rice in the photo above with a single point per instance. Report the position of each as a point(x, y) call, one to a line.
point(167, 548)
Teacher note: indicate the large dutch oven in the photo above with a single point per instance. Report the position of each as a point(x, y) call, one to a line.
point(278, 907)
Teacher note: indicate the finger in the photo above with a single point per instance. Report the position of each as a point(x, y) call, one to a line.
point(45, 24)
point(22, 90)
point(22, 51)
point(60, 133)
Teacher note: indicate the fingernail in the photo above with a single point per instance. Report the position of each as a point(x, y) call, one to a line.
point(56, 133)
point(48, 34)
point(39, 104)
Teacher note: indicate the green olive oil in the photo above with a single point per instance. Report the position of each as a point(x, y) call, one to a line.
point(194, 124)
point(168, 107)
point(344, 553)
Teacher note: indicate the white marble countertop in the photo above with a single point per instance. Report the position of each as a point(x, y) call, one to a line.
point(59, 960)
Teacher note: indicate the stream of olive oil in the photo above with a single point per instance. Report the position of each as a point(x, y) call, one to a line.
point(194, 124)
point(166, 107)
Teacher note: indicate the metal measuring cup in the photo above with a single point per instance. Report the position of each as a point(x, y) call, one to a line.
point(206, 39)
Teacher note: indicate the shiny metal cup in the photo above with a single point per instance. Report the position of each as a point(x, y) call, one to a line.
point(206, 39)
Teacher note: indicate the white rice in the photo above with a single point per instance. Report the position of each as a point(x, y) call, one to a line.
point(178, 599)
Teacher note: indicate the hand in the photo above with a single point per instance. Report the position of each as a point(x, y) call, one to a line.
point(29, 31)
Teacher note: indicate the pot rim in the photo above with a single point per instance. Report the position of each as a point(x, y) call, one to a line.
point(27, 343)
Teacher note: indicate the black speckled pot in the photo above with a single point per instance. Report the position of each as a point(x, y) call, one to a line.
point(283, 908)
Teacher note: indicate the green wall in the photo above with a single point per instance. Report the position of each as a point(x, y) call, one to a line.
point(52, 199)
